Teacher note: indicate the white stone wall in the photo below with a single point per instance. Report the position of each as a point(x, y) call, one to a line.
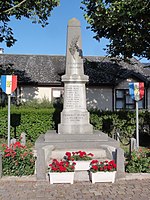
point(30, 93)
point(98, 97)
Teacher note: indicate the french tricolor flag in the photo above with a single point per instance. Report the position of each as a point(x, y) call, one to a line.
point(8, 83)
point(136, 90)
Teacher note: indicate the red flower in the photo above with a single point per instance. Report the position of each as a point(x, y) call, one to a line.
point(90, 154)
point(72, 167)
point(54, 168)
point(7, 150)
point(62, 169)
point(7, 155)
point(94, 162)
point(81, 154)
point(109, 167)
point(68, 154)
point(61, 166)
point(78, 155)
point(95, 167)
point(4, 145)
point(17, 144)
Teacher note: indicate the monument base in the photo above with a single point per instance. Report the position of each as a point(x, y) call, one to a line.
point(75, 129)
point(53, 145)
point(75, 122)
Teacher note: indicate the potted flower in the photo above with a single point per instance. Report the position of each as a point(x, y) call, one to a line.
point(81, 158)
point(61, 171)
point(104, 171)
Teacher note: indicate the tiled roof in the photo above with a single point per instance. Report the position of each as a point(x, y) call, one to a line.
point(111, 71)
point(47, 69)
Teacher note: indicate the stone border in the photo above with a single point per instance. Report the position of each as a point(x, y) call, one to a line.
point(128, 176)
point(132, 176)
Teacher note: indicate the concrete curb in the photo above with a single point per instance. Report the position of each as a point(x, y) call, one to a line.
point(16, 178)
point(132, 176)
point(128, 176)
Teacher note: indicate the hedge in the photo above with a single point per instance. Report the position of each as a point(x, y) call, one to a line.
point(123, 122)
point(32, 121)
point(37, 120)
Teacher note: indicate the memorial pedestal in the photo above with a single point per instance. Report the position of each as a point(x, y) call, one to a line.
point(75, 130)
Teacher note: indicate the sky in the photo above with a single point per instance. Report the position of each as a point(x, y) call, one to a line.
point(33, 39)
point(51, 40)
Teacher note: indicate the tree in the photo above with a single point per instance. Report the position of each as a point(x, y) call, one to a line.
point(36, 10)
point(126, 23)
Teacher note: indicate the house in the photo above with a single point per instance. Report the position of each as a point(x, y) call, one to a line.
point(39, 76)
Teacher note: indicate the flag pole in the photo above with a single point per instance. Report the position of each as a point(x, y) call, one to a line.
point(8, 85)
point(8, 120)
point(137, 126)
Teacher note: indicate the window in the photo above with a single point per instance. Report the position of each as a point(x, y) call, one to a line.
point(57, 95)
point(123, 100)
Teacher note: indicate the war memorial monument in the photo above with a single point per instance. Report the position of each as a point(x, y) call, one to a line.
point(75, 131)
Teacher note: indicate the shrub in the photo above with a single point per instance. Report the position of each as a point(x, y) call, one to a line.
point(139, 161)
point(17, 160)
point(36, 103)
point(96, 121)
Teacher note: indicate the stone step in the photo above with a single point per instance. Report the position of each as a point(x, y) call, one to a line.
point(52, 136)
point(60, 153)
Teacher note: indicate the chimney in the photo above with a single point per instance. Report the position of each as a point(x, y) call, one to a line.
point(1, 50)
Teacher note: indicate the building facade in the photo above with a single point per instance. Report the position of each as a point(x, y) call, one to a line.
point(39, 77)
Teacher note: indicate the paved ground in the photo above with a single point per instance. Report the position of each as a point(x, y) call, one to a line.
point(30, 189)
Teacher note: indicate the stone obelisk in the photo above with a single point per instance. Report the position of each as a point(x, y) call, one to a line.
point(74, 117)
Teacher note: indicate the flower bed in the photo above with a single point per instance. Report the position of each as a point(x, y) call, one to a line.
point(17, 160)
point(139, 161)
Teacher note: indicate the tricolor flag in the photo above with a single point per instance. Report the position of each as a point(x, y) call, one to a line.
point(8, 83)
point(136, 90)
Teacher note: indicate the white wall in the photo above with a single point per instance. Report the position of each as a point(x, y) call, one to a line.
point(98, 97)
point(30, 93)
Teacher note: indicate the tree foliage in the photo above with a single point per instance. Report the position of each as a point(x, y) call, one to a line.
point(36, 10)
point(126, 23)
